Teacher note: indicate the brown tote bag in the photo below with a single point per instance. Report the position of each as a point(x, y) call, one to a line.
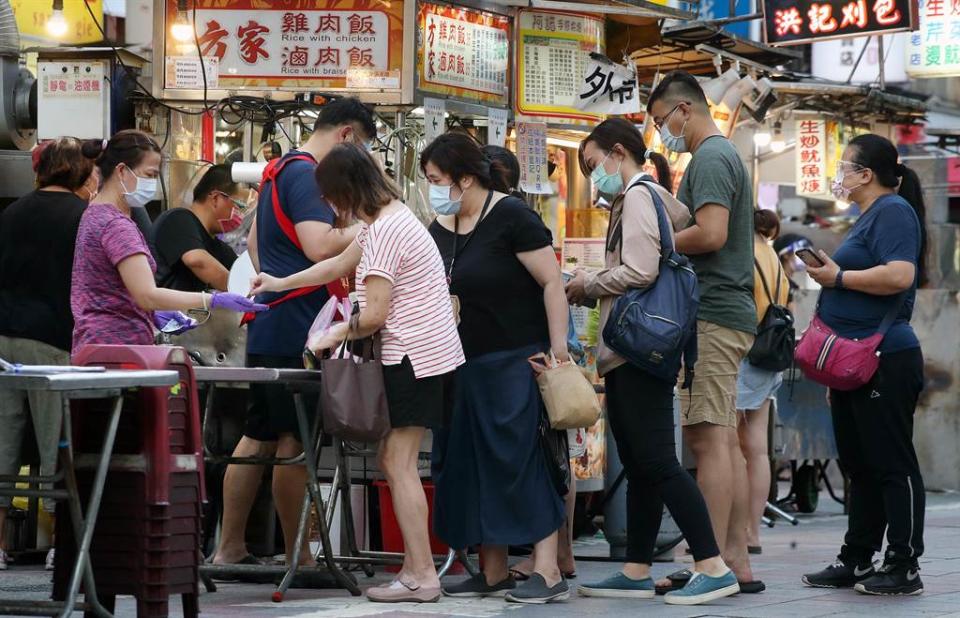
point(353, 397)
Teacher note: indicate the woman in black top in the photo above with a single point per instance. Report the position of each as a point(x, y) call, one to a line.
point(37, 236)
point(493, 483)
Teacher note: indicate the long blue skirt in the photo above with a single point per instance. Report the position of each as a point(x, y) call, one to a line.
point(492, 483)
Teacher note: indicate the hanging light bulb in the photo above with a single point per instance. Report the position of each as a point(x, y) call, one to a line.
point(182, 29)
point(56, 23)
point(778, 144)
point(762, 137)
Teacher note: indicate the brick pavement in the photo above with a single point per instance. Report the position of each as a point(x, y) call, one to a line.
point(787, 552)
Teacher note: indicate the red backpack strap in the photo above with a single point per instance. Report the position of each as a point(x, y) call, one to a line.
point(270, 173)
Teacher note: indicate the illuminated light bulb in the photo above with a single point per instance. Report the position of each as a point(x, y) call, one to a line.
point(762, 138)
point(181, 29)
point(778, 144)
point(57, 24)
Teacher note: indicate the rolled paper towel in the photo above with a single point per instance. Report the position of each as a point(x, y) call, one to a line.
point(247, 172)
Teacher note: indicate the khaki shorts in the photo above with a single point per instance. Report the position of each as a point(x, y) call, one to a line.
point(713, 398)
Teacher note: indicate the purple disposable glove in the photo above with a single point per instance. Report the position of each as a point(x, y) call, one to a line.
point(235, 302)
point(173, 322)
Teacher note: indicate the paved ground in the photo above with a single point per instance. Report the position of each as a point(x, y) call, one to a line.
point(787, 552)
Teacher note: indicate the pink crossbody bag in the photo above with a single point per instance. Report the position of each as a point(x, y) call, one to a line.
point(837, 362)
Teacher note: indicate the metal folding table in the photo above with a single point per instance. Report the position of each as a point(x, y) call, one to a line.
point(75, 383)
point(299, 382)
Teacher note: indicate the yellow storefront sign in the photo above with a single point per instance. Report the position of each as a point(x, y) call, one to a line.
point(32, 16)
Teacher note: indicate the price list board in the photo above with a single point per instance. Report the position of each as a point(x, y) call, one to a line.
point(553, 49)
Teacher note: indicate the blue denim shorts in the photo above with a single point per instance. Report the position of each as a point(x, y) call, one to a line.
point(755, 386)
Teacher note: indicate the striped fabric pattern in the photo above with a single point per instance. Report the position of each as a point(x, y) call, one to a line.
point(420, 323)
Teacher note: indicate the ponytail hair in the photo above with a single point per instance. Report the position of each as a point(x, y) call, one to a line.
point(881, 157)
point(128, 147)
point(613, 131)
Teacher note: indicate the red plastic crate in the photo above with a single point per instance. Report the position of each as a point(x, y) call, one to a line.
point(390, 534)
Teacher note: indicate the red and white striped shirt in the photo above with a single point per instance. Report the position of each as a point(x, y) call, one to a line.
point(420, 323)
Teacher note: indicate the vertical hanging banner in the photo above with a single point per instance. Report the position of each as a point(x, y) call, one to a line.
point(497, 126)
point(934, 50)
point(532, 153)
point(434, 119)
point(608, 87)
point(811, 157)
point(316, 44)
point(792, 22)
point(553, 49)
point(463, 53)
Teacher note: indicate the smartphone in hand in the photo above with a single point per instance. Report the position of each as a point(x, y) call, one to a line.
point(808, 257)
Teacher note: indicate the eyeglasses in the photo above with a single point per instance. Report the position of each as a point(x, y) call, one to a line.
point(849, 166)
point(659, 123)
point(241, 206)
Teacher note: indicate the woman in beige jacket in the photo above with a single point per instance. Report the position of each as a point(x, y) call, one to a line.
point(639, 405)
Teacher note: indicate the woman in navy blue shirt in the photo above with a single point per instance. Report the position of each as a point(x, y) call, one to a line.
point(875, 271)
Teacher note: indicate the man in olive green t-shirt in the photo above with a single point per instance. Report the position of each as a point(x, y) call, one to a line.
point(717, 189)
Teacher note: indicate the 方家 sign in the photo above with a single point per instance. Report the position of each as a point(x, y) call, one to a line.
point(333, 44)
point(463, 53)
point(553, 49)
point(811, 158)
point(790, 22)
point(934, 50)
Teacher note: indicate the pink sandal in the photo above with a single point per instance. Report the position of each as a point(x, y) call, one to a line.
point(400, 592)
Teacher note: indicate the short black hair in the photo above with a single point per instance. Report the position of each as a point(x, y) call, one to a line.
point(217, 179)
point(510, 164)
point(677, 85)
point(346, 110)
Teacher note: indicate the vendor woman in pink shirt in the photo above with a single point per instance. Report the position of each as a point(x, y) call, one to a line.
point(403, 294)
point(113, 294)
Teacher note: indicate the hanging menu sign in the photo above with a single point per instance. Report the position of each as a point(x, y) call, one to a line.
point(934, 50)
point(532, 155)
point(553, 50)
point(321, 44)
point(811, 158)
point(463, 53)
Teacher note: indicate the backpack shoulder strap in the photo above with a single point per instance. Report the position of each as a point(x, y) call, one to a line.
point(270, 173)
point(666, 238)
point(763, 280)
point(616, 233)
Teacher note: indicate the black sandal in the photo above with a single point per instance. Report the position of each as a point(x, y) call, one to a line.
point(678, 580)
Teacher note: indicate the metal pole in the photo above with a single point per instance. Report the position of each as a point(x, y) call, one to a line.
point(883, 61)
point(248, 141)
point(859, 58)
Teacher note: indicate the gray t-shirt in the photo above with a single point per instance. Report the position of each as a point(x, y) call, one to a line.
point(717, 175)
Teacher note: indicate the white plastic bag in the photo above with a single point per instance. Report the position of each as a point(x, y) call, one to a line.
point(333, 308)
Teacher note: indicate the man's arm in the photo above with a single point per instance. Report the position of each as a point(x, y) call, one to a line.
point(708, 233)
point(321, 241)
point(252, 245)
point(206, 268)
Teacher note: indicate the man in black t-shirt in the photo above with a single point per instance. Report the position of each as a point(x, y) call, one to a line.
point(189, 256)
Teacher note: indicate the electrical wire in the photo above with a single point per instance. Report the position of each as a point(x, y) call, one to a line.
point(203, 68)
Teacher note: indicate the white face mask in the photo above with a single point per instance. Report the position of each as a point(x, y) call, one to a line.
point(441, 202)
point(144, 191)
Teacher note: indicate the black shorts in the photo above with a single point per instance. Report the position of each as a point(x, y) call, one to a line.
point(272, 411)
point(413, 402)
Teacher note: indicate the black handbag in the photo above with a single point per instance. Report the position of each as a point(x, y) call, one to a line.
point(556, 453)
point(776, 337)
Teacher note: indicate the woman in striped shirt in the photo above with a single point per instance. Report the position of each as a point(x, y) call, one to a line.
point(403, 294)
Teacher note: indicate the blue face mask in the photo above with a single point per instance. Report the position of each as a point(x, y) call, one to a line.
point(440, 200)
point(608, 184)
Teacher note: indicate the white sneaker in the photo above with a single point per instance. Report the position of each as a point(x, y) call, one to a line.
point(3, 560)
point(49, 563)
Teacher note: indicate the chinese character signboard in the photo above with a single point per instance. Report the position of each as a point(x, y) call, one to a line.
point(553, 50)
point(790, 22)
point(934, 50)
point(463, 53)
point(811, 158)
point(32, 16)
point(316, 44)
point(608, 88)
point(532, 154)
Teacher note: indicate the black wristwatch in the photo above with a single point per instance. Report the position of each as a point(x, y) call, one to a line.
point(838, 282)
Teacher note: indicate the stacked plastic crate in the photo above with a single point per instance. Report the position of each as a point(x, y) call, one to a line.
point(147, 539)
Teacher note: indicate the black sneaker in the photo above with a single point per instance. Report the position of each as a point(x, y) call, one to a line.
point(893, 580)
point(840, 574)
point(477, 587)
point(536, 591)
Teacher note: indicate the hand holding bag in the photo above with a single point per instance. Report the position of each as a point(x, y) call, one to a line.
point(568, 396)
point(352, 395)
